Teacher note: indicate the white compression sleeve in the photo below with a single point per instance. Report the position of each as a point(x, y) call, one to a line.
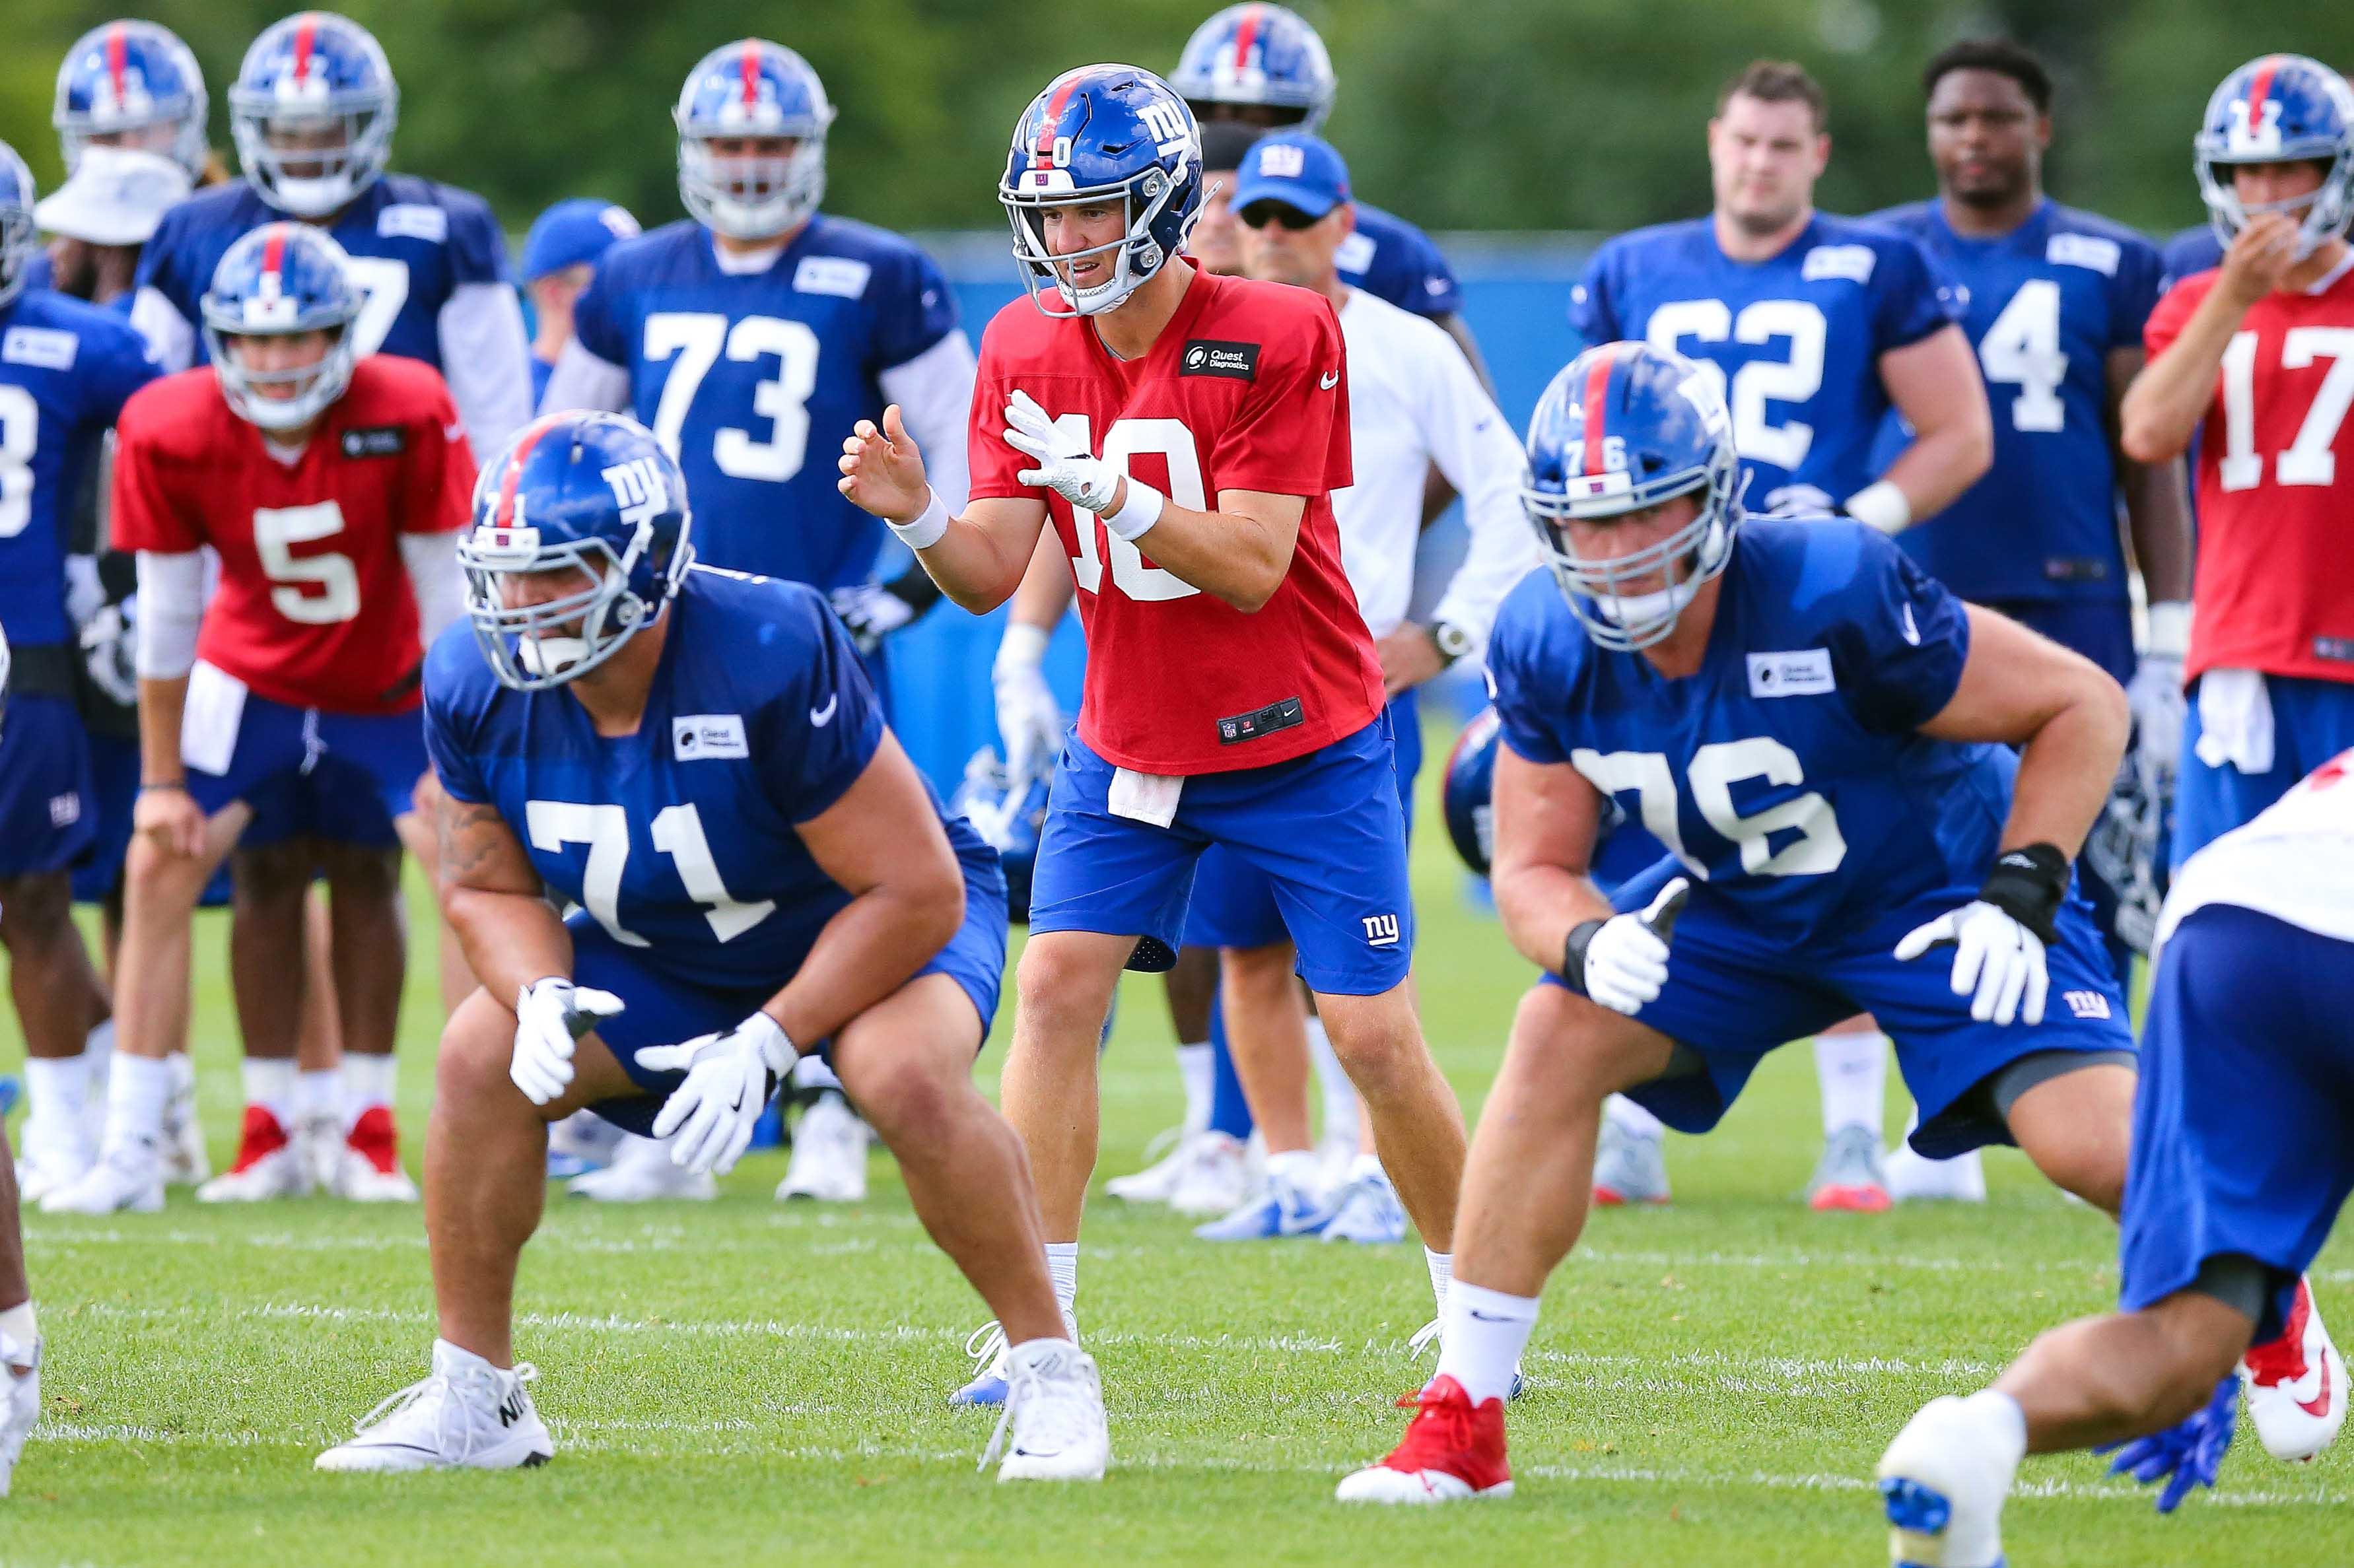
point(440, 588)
point(171, 609)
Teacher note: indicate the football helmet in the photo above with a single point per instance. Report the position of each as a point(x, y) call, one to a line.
point(2130, 844)
point(752, 88)
point(282, 278)
point(596, 493)
point(2276, 110)
point(136, 82)
point(1009, 813)
point(1098, 133)
point(1627, 426)
point(1257, 55)
point(1468, 787)
point(20, 235)
point(306, 80)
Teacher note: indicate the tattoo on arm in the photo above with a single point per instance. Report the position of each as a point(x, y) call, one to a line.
point(480, 850)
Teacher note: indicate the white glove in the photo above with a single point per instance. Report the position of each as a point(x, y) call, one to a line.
point(1063, 465)
point(728, 1080)
point(2155, 692)
point(1029, 720)
point(1624, 959)
point(1997, 962)
point(551, 1015)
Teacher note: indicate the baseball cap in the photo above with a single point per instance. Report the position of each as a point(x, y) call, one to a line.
point(571, 232)
point(1301, 171)
point(117, 196)
point(1224, 143)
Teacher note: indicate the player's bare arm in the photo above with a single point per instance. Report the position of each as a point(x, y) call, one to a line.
point(977, 558)
point(2157, 515)
point(490, 897)
point(2067, 715)
point(2167, 402)
point(1935, 384)
point(1547, 817)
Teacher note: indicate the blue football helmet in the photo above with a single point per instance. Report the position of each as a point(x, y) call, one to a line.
point(136, 85)
point(1258, 57)
point(306, 81)
point(594, 494)
point(19, 235)
point(2277, 109)
point(282, 278)
point(1468, 789)
point(752, 88)
point(1009, 813)
point(1627, 426)
point(1097, 134)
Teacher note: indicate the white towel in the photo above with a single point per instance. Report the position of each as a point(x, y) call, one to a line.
point(2235, 720)
point(1145, 797)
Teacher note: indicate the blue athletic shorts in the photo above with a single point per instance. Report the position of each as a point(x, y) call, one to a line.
point(114, 788)
point(49, 814)
point(345, 775)
point(2244, 1122)
point(1234, 901)
point(665, 1011)
point(1731, 997)
point(1325, 828)
point(2313, 721)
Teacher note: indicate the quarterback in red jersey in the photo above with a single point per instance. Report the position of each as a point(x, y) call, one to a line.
point(330, 490)
point(1183, 433)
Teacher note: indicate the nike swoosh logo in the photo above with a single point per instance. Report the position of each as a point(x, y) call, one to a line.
point(1485, 1317)
point(821, 718)
point(2318, 1405)
point(1332, 379)
point(1911, 631)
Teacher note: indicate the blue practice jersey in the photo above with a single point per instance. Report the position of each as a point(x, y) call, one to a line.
point(2192, 251)
point(2045, 306)
point(413, 244)
point(1787, 774)
point(1797, 338)
point(754, 379)
point(1392, 260)
point(66, 368)
point(680, 838)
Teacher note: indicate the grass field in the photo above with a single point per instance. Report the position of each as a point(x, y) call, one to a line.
point(739, 1381)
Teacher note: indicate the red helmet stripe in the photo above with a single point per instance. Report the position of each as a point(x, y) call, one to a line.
point(1052, 119)
point(117, 48)
point(1246, 35)
point(2259, 86)
point(306, 34)
point(1593, 403)
point(273, 252)
point(504, 516)
point(752, 72)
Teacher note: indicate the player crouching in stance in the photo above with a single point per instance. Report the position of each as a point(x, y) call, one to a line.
point(2224, 1207)
point(695, 758)
point(1820, 734)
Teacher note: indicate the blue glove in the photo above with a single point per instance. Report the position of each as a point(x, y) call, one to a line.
point(2186, 1455)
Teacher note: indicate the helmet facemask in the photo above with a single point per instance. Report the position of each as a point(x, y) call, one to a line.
point(315, 386)
point(1607, 594)
point(1136, 257)
point(536, 647)
point(751, 197)
point(19, 239)
point(336, 153)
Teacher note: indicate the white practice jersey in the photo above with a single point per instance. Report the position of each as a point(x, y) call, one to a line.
point(2294, 862)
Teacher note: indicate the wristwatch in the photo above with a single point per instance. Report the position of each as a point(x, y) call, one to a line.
point(1451, 641)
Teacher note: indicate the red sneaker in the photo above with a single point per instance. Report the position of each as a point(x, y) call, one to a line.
point(1453, 1450)
point(267, 1165)
point(369, 1170)
point(2296, 1385)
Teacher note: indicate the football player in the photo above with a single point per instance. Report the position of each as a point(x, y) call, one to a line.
point(2055, 299)
point(761, 873)
point(560, 256)
point(2224, 1210)
point(330, 487)
point(20, 1334)
point(1233, 695)
point(1820, 735)
point(66, 370)
point(1815, 328)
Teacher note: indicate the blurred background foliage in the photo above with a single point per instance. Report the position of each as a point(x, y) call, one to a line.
point(1462, 114)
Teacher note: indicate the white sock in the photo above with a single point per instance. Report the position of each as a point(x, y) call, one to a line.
point(1198, 1073)
point(812, 1073)
point(1296, 1167)
point(1631, 1119)
point(1365, 1165)
point(1340, 1093)
point(98, 1050)
point(58, 1090)
point(137, 1090)
point(183, 1068)
point(368, 1083)
point(18, 1323)
point(1442, 1270)
point(1854, 1071)
point(1483, 1333)
point(1063, 1269)
point(269, 1084)
point(319, 1094)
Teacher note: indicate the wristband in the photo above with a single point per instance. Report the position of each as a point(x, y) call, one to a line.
point(1573, 954)
point(1022, 648)
point(179, 784)
point(1139, 511)
point(2169, 630)
point(1882, 505)
point(2027, 883)
point(930, 524)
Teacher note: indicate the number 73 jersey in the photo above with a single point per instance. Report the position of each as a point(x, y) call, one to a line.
point(1788, 773)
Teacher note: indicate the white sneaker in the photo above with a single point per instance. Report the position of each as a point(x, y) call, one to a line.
point(1216, 1177)
point(1054, 1408)
point(829, 1161)
point(319, 1144)
point(358, 1181)
point(468, 1414)
point(279, 1173)
point(1915, 1178)
point(20, 1402)
point(1336, 1151)
point(127, 1179)
point(1158, 1180)
point(185, 1162)
point(46, 1171)
point(1943, 1484)
point(2296, 1385)
point(641, 1173)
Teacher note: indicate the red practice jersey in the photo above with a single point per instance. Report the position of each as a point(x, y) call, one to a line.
point(1246, 389)
point(314, 608)
point(2273, 589)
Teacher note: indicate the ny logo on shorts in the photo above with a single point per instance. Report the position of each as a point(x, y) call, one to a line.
point(1381, 930)
point(65, 809)
point(2087, 1004)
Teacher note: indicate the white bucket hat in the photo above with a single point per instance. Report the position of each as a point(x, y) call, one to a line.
point(117, 196)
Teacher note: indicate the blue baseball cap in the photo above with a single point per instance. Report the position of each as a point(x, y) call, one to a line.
point(572, 232)
point(1301, 171)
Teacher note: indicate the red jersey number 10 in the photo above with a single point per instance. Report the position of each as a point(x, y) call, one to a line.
point(1167, 439)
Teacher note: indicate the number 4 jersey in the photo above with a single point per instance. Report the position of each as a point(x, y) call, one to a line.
point(315, 608)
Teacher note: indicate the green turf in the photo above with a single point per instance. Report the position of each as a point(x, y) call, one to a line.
point(1711, 1383)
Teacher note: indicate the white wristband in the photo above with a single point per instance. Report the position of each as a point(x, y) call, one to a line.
point(1139, 511)
point(1882, 505)
point(928, 526)
point(1024, 647)
point(2169, 629)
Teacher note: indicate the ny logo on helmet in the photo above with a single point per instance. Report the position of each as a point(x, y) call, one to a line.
point(638, 486)
point(1167, 123)
point(2261, 136)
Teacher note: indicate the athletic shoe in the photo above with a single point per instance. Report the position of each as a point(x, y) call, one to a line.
point(986, 1349)
point(1453, 1451)
point(55, 1156)
point(12, 1089)
point(1628, 1167)
point(1054, 1414)
point(641, 1173)
point(20, 1402)
point(467, 1415)
point(1279, 1208)
point(1158, 1180)
point(1216, 1175)
point(38, 1177)
point(829, 1161)
point(581, 1142)
point(1425, 1343)
point(1915, 1179)
point(2296, 1385)
point(1849, 1175)
point(1942, 1486)
point(1367, 1211)
point(369, 1171)
point(268, 1165)
point(127, 1179)
point(1336, 1151)
point(319, 1140)
point(185, 1162)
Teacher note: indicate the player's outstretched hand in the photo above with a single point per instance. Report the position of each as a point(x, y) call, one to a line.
point(729, 1078)
point(2260, 257)
point(1063, 465)
point(169, 815)
point(551, 1016)
point(2185, 1455)
point(1622, 962)
point(882, 469)
point(1997, 962)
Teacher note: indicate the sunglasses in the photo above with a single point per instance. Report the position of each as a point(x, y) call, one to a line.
point(1259, 213)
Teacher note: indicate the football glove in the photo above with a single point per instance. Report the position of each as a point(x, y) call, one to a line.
point(1998, 938)
point(1622, 962)
point(2185, 1455)
point(2155, 692)
point(729, 1078)
point(109, 649)
point(551, 1015)
point(873, 611)
point(1064, 466)
point(1029, 720)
